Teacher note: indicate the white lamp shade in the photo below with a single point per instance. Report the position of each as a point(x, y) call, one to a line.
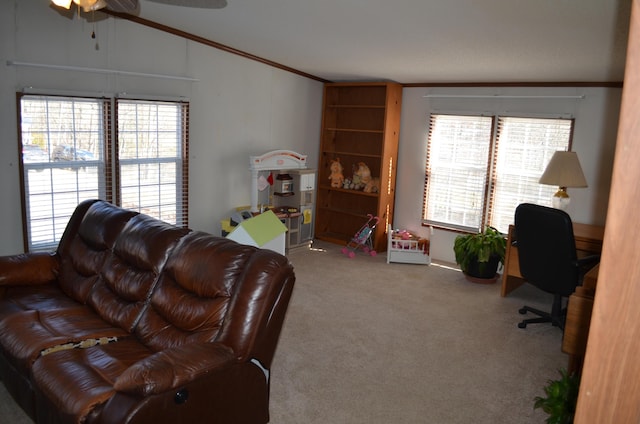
point(564, 170)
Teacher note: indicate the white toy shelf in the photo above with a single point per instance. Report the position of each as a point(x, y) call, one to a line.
point(413, 250)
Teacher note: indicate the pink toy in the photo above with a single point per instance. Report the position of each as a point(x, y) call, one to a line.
point(362, 239)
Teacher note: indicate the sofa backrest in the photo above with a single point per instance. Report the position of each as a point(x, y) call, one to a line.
point(86, 243)
point(214, 289)
point(132, 268)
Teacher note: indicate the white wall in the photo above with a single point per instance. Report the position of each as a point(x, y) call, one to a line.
point(238, 108)
point(596, 118)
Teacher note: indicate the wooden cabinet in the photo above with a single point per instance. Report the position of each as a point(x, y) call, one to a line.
point(360, 123)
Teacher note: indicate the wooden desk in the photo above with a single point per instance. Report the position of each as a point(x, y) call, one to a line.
point(588, 242)
point(578, 320)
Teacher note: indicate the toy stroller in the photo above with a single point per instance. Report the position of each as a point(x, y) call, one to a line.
point(362, 239)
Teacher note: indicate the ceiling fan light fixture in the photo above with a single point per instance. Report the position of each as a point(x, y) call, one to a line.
point(86, 5)
point(89, 6)
point(62, 3)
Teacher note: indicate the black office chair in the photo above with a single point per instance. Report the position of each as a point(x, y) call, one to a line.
point(548, 258)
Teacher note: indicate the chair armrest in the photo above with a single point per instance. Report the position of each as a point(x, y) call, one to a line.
point(174, 367)
point(28, 269)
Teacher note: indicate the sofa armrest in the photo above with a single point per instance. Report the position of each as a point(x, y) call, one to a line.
point(28, 269)
point(174, 367)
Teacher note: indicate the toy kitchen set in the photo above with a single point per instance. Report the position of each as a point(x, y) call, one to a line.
point(282, 183)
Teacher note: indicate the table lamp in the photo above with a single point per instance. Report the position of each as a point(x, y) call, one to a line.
point(564, 171)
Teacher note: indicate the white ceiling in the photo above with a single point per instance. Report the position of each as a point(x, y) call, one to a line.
point(421, 41)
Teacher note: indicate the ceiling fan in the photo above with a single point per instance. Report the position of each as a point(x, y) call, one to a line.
point(132, 5)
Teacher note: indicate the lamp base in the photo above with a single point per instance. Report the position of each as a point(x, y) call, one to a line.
point(561, 199)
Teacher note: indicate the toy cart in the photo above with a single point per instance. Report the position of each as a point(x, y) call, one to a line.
point(362, 239)
point(406, 247)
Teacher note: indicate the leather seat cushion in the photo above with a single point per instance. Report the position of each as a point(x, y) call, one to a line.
point(40, 297)
point(75, 381)
point(24, 335)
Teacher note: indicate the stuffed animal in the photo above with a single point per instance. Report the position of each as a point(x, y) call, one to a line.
point(370, 184)
point(356, 183)
point(336, 176)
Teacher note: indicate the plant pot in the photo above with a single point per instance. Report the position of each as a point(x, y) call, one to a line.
point(485, 273)
point(478, 280)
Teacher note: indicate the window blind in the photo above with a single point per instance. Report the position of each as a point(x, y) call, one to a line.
point(152, 158)
point(479, 168)
point(62, 141)
point(524, 148)
point(76, 148)
point(456, 171)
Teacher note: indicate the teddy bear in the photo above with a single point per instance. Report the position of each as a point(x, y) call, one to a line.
point(370, 184)
point(336, 176)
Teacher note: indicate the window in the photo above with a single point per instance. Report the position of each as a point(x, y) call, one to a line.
point(68, 156)
point(150, 147)
point(479, 168)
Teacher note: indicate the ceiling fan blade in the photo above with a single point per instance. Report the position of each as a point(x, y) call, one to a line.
point(203, 4)
point(122, 5)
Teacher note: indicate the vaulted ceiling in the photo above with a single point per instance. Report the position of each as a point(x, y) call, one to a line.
point(420, 41)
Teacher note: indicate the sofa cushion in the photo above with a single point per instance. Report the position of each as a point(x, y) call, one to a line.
point(29, 297)
point(191, 299)
point(75, 381)
point(132, 269)
point(31, 281)
point(82, 254)
point(25, 335)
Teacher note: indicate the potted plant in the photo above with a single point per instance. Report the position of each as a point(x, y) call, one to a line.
point(561, 398)
point(480, 254)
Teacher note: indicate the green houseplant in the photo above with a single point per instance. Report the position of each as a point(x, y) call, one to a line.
point(479, 254)
point(561, 398)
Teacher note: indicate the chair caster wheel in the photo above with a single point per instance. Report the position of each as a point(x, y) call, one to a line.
point(522, 311)
point(522, 325)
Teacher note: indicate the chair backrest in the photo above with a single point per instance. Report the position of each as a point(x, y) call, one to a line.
point(546, 248)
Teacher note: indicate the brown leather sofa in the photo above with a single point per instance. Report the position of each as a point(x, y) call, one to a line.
point(133, 320)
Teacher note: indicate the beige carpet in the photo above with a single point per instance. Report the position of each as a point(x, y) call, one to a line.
point(371, 342)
